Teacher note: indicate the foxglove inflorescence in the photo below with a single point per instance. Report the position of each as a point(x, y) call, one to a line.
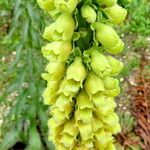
point(81, 72)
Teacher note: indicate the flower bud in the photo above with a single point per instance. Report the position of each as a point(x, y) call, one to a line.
point(88, 13)
point(112, 86)
point(47, 5)
point(62, 29)
point(93, 84)
point(56, 70)
point(67, 6)
point(76, 71)
point(116, 13)
point(83, 100)
point(108, 37)
point(107, 2)
point(57, 51)
point(116, 66)
point(100, 64)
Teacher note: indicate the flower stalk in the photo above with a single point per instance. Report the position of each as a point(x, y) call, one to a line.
point(81, 83)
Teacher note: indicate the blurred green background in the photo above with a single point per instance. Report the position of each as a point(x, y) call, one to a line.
point(23, 117)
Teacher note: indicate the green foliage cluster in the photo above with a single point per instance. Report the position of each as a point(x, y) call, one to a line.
point(138, 20)
point(27, 119)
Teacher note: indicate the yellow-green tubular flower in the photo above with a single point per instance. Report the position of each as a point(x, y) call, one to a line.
point(60, 116)
point(50, 93)
point(111, 147)
point(86, 132)
point(93, 84)
point(70, 128)
point(67, 6)
point(100, 64)
point(62, 29)
point(63, 103)
point(75, 75)
point(47, 5)
point(102, 139)
point(69, 134)
point(103, 104)
point(57, 51)
point(84, 115)
point(111, 123)
point(88, 13)
point(76, 71)
point(83, 100)
point(55, 130)
point(56, 70)
point(116, 13)
point(107, 2)
point(108, 37)
point(116, 66)
point(97, 124)
point(69, 87)
point(112, 86)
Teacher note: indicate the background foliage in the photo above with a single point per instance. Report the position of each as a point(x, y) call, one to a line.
point(23, 120)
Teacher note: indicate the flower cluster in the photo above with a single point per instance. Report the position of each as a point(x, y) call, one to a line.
point(80, 74)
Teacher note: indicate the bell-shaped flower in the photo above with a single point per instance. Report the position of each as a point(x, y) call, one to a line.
point(60, 116)
point(93, 84)
point(61, 147)
point(85, 131)
point(88, 13)
point(116, 128)
point(47, 5)
point(70, 128)
point(103, 106)
point(112, 86)
point(116, 66)
point(97, 124)
point(89, 144)
point(56, 70)
point(100, 64)
point(55, 128)
point(84, 115)
point(69, 87)
point(107, 2)
point(111, 146)
point(83, 100)
point(111, 119)
point(62, 29)
point(116, 13)
point(76, 71)
point(63, 103)
point(67, 140)
point(102, 139)
point(57, 51)
point(66, 6)
point(50, 93)
point(108, 37)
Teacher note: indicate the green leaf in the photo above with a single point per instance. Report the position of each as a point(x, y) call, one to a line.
point(9, 140)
